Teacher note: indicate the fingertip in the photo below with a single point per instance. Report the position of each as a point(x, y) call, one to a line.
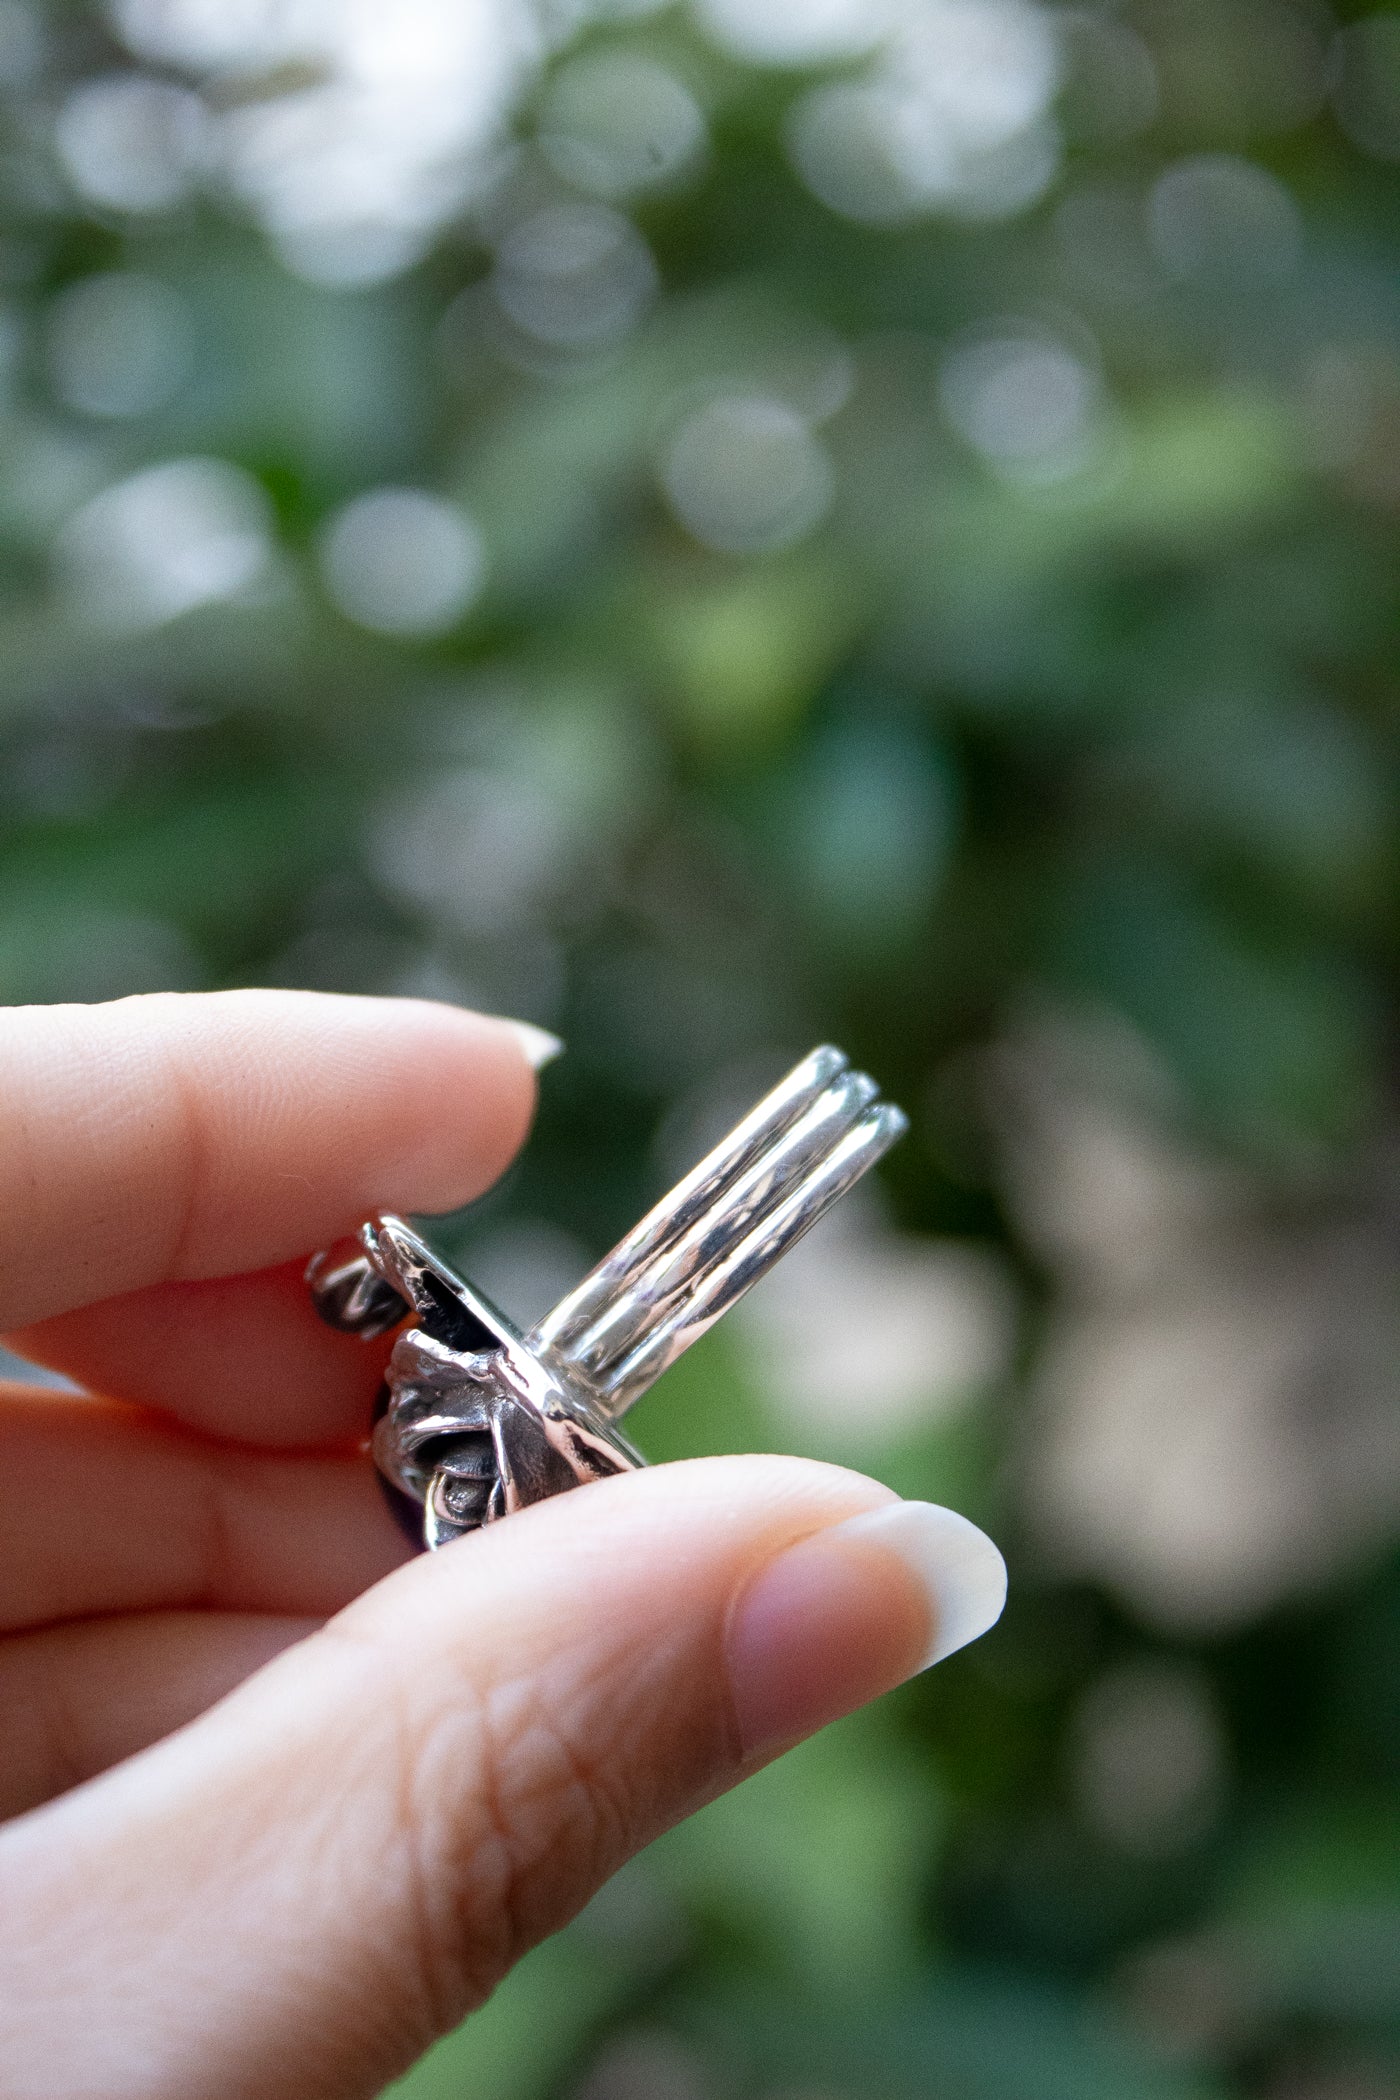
point(382, 1104)
point(178, 1136)
point(853, 1610)
point(470, 1091)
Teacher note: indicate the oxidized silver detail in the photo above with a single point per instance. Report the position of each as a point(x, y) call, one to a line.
point(482, 1420)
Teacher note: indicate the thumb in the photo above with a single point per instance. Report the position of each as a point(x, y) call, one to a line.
point(304, 1888)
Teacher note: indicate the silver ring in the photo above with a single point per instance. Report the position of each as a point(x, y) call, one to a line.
point(482, 1420)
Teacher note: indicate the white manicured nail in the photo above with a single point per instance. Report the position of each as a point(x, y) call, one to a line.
point(831, 1622)
point(540, 1047)
point(959, 1567)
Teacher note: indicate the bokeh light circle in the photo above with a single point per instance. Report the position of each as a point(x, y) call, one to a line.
point(1225, 221)
point(617, 123)
point(952, 115)
point(745, 474)
point(794, 32)
point(575, 276)
point(403, 561)
point(131, 143)
point(1024, 399)
point(120, 344)
point(185, 534)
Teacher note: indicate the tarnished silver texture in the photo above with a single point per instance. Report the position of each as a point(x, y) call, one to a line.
point(482, 1419)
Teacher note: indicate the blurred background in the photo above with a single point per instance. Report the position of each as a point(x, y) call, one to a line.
point(716, 527)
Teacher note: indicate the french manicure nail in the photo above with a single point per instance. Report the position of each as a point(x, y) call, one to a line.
point(963, 1574)
point(852, 1611)
point(540, 1046)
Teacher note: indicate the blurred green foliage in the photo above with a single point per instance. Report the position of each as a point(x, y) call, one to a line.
point(946, 605)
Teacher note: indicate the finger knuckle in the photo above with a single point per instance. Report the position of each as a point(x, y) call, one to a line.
point(510, 1818)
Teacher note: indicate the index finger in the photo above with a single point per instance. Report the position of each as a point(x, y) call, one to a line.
point(178, 1136)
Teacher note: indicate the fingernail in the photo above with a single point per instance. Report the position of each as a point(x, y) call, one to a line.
point(851, 1612)
point(540, 1047)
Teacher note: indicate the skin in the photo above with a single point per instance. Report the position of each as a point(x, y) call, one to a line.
point(286, 1802)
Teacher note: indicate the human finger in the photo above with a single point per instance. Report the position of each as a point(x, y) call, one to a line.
point(306, 1886)
point(105, 1508)
point(177, 1136)
point(235, 1356)
point(75, 1699)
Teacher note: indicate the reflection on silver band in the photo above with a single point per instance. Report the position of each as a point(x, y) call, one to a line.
point(482, 1420)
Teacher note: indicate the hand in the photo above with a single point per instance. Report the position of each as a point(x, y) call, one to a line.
point(287, 1801)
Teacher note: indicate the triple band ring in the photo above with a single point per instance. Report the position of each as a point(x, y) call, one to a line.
point(481, 1420)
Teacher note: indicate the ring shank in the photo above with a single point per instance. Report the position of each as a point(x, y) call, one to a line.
point(712, 1238)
